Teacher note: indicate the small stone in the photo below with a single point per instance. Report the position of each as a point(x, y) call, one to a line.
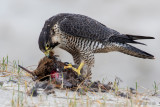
point(49, 87)
point(67, 84)
point(49, 91)
point(42, 85)
point(132, 90)
point(33, 92)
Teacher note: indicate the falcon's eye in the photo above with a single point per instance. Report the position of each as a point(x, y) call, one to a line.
point(47, 46)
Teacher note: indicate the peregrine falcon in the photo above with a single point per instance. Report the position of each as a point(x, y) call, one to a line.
point(83, 36)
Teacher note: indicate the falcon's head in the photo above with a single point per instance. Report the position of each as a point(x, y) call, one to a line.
point(46, 43)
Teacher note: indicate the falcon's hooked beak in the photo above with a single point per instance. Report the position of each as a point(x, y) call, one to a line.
point(47, 52)
point(48, 48)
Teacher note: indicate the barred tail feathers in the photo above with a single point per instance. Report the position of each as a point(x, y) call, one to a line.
point(133, 51)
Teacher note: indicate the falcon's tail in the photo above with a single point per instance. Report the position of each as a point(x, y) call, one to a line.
point(136, 37)
point(127, 38)
point(133, 51)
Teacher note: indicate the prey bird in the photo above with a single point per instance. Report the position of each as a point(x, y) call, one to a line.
point(83, 36)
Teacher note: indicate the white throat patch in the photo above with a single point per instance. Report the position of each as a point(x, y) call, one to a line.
point(57, 36)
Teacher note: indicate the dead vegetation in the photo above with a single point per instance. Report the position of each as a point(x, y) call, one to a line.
point(65, 87)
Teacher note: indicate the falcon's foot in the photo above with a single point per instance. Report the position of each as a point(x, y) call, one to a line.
point(77, 70)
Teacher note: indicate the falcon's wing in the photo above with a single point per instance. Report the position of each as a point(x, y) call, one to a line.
point(85, 27)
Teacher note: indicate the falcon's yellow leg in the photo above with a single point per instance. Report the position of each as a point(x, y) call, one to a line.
point(75, 69)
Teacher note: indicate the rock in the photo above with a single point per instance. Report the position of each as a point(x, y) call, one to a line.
point(33, 92)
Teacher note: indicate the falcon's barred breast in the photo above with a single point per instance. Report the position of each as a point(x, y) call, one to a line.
point(83, 36)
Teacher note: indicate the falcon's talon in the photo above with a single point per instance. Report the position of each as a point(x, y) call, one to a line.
point(68, 66)
point(77, 70)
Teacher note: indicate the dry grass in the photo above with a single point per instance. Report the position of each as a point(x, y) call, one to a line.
point(19, 83)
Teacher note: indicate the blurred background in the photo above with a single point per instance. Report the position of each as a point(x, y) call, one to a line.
point(21, 23)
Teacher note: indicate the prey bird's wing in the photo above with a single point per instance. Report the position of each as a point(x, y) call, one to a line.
point(85, 27)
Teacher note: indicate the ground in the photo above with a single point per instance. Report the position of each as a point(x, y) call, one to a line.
point(15, 86)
